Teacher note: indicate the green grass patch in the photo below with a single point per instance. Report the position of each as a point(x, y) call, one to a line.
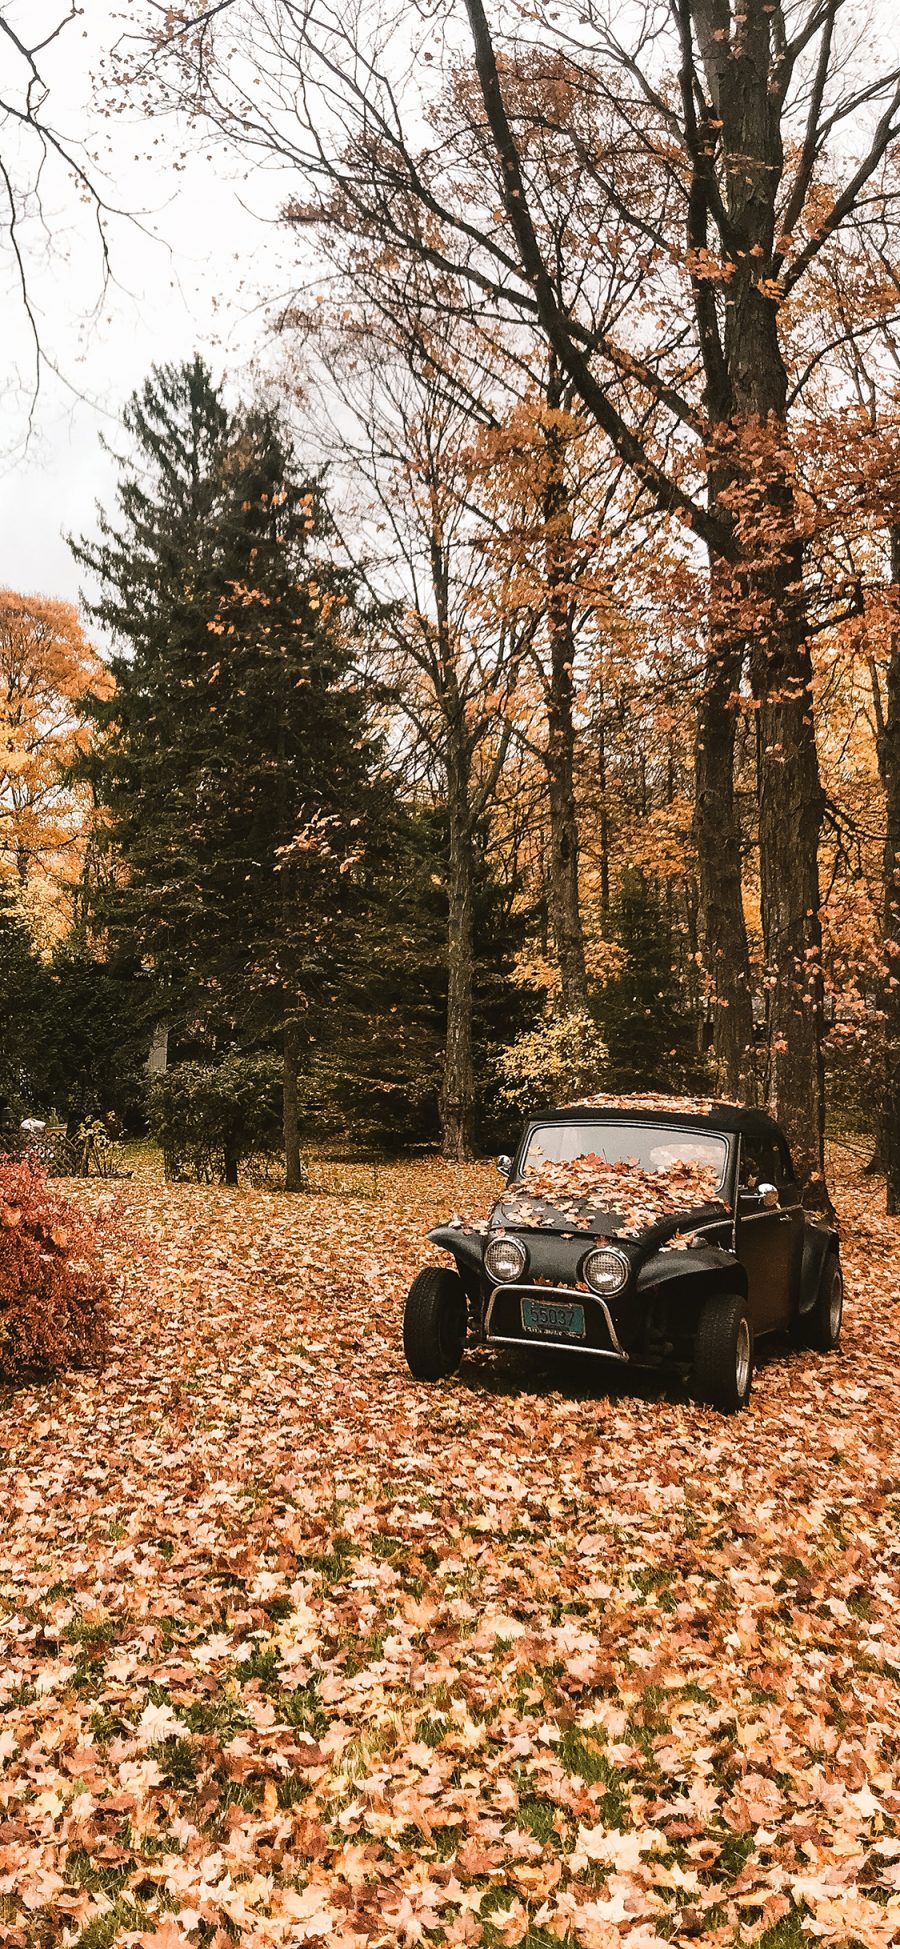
point(104, 1631)
point(333, 1565)
point(88, 1678)
point(646, 1724)
point(539, 1816)
point(237, 1793)
point(102, 1932)
point(264, 1664)
point(698, 1695)
point(177, 1761)
point(86, 1874)
point(649, 1578)
point(794, 1571)
point(364, 1652)
point(581, 1756)
point(109, 1725)
point(734, 1853)
point(789, 1933)
point(224, 1716)
point(386, 1547)
point(860, 1605)
point(430, 1731)
point(447, 1841)
point(303, 1709)
point(58, 1592)
point(279, 1608)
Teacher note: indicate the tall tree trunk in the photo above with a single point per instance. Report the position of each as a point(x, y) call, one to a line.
point(560, 757)
point(717, 838)
point(769, 578)
point(790, 817)
point(562, 875)
point(887, 708)
point(603, 820)
point(747, 400)
point(293, 1169)
point(562, 878)
point(458, 1091)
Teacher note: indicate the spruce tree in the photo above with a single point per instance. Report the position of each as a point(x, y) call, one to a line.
point(157, 566)
point(235, 760)
point(21, 989)
point(643, 1014)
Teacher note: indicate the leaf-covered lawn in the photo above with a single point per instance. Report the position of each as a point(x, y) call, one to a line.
point(297, 1650)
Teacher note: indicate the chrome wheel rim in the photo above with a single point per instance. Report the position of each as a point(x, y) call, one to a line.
point(742, 1358)
point(836, 1305)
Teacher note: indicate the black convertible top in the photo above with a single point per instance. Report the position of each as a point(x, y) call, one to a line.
point(696, 1113)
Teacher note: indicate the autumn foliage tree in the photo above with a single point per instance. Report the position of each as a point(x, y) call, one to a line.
point(48, 668)
point(448, 653)
point(849, 390)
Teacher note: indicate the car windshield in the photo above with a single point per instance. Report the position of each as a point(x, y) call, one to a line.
point(650, 1147)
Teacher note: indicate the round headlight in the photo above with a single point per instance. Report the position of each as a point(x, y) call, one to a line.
point(606, 1270)
point(505, 1258)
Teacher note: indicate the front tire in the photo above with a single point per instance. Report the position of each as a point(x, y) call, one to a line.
point(822, 1327)
point(434, 1324)
point(723, 1354)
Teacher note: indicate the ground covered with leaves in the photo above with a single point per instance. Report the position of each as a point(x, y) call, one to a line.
point(295, 1650)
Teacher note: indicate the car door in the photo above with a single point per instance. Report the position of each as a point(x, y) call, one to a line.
point(766, 1235)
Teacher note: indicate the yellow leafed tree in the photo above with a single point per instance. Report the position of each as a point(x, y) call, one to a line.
point(47, 666)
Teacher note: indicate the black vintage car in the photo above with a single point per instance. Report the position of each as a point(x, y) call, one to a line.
point(661, 1232)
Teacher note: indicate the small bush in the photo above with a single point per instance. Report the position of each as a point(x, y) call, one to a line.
point(563, 1058)
point(207, 1118)
point(54, 1310)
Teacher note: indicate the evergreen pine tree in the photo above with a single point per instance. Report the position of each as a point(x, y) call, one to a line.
point(157, 566)
point(235, 761)
point(643, 1015)
point(21, 985)
point(92, 1035)
point(382, 1084)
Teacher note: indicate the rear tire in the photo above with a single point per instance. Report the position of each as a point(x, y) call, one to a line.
point(822, 1327)
point(434, 1324)
point(723, 1354)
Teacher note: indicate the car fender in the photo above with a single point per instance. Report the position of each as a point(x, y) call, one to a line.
point(707, 1267)
point(818, 1241)
point(467, 1249)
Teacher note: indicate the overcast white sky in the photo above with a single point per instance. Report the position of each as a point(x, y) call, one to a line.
point(192, 284)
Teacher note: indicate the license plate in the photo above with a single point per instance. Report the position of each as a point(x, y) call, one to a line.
point(547, 1316)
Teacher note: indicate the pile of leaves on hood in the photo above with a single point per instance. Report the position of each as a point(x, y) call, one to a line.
point(585, 1190)
point(650, 1105)
point(295, 1650)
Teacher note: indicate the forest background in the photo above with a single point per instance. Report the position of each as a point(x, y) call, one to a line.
point(504, 700)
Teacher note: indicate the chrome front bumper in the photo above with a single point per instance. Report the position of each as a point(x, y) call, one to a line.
point(583, 1297)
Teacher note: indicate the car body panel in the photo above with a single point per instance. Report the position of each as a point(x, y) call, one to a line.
point(818, 1241)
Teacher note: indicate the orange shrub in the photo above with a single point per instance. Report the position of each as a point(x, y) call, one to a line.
point(54, 1310)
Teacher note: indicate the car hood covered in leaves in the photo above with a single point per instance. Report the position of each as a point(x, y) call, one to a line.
point(606, 1200)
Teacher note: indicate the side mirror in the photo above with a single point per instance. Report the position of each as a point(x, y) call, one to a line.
point(504, 1166)
point(768, 1196)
